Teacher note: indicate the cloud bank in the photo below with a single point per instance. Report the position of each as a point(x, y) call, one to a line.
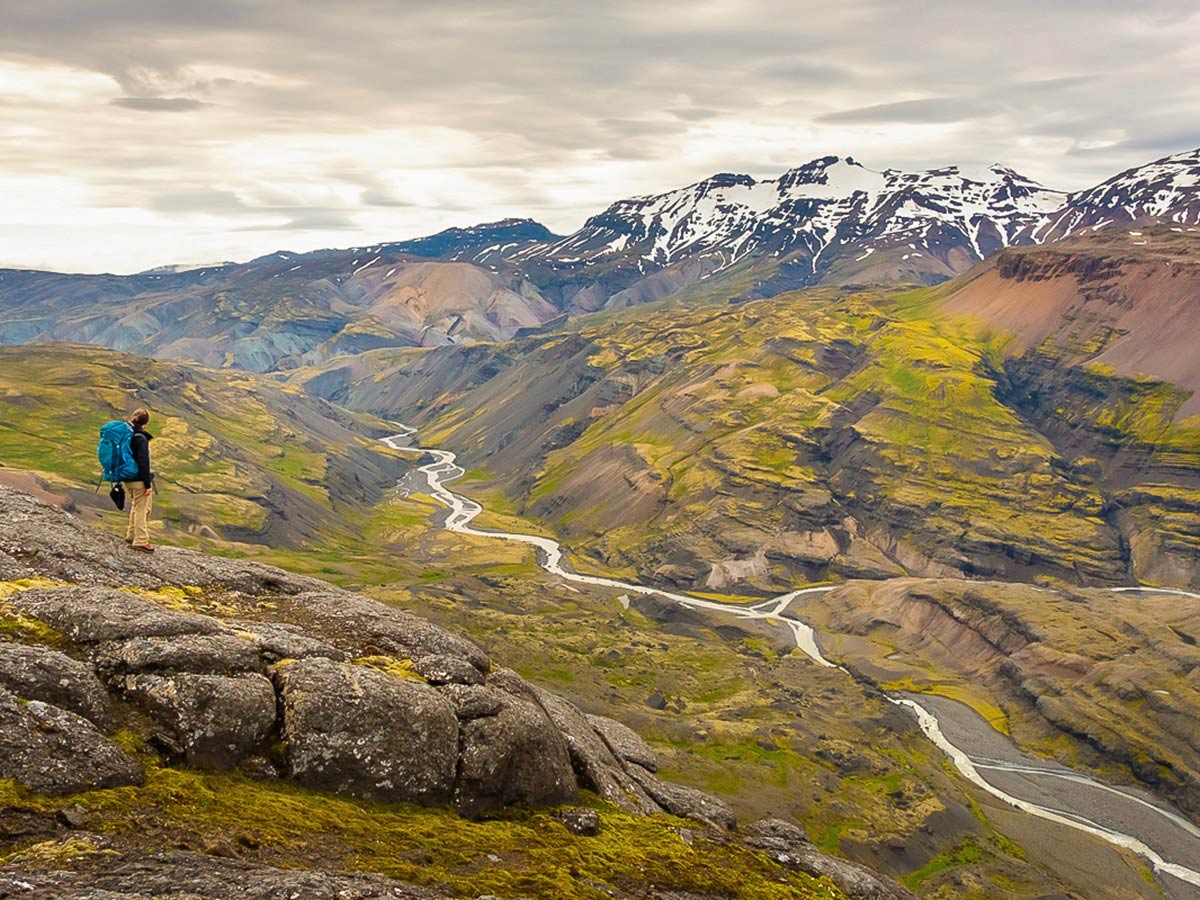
point(142, 132)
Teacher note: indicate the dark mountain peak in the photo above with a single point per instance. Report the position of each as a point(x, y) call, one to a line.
point(457, 243)
point(816, 171)
point(724, 180)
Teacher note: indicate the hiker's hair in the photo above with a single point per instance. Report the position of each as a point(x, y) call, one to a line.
point(140, 416)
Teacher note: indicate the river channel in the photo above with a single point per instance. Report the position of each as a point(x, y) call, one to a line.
point(1122, 816)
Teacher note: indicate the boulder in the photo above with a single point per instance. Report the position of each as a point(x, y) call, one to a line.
point(211, 721)
point(579, 820)
point(594, 764)
point(789, 845)
point(626, 743)
point(473, 701)
point(363, 732)
point(205, 654)
point(684, 801)
point(514, 756)
point(447, 670)
point(38, 673)
point(367, 627)
point(276, 642)
point(90, 615)
point(54, 751)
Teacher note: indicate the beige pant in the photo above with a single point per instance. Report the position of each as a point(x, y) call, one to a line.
point(139, 500)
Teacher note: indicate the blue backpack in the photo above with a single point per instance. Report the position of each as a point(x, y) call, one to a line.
point(115, 453)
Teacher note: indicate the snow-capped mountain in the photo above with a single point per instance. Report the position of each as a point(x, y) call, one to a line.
point(835, 220)
point(1166, 191)
point(823, 210)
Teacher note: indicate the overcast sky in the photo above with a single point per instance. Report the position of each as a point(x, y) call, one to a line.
point(144, 132)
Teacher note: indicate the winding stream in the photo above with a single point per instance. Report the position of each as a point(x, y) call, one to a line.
point(1122, 817)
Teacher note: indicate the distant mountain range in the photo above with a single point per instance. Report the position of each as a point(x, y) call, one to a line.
point(728, 237)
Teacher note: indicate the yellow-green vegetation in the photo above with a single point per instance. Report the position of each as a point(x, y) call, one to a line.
point(825, 432)
point(389, 665)
point(965, 853)
point(537, 857)
point(18, 627)
point(968, 694)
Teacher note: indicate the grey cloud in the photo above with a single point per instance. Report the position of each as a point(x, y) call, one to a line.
point(694, 113)
point(307, 220)
point(197, 200)
point(1162, 144)
point(381, 197)
point(159, 104)
point(933, 109)
point(528, 95)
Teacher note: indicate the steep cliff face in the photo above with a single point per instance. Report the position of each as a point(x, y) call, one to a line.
point(173, 679)
point(1102, 362)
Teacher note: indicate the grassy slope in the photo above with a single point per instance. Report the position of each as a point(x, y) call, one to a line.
point(234, 453)
point(514, 852)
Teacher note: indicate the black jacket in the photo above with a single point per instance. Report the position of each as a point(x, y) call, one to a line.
point(139, 445)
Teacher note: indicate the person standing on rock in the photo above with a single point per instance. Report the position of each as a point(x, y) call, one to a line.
point(141, 488)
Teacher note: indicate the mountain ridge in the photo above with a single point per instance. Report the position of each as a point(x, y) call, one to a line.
point(831, 220)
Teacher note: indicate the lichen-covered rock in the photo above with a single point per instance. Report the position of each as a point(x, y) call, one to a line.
point(473, 701)
point(511, 683)
point(447, 670)
point(625, 742)
point(195, 876)
point(579, 820)
point(684, 801)
point(359, 731)
point(789, 845)
point(212, 721)
point(38, 673)
point(91, 615)
point(514, 756)
point(594, 764)
point(41, 540)
point(367, 627)
point(276, 642)
point(205, 654)
point(54, 751)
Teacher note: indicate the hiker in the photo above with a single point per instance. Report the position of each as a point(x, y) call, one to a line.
point(140, 488)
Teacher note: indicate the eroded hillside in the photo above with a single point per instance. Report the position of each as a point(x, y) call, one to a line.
point(816, 434)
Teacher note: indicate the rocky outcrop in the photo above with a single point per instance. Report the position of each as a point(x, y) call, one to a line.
point(336, 690)
point(281, 676)
point(53, 751)
point(789, 845)
point(359, 731)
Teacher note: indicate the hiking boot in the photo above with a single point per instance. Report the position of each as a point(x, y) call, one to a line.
point(145, 548)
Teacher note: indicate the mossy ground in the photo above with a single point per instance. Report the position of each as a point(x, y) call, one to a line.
point(524, 853)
